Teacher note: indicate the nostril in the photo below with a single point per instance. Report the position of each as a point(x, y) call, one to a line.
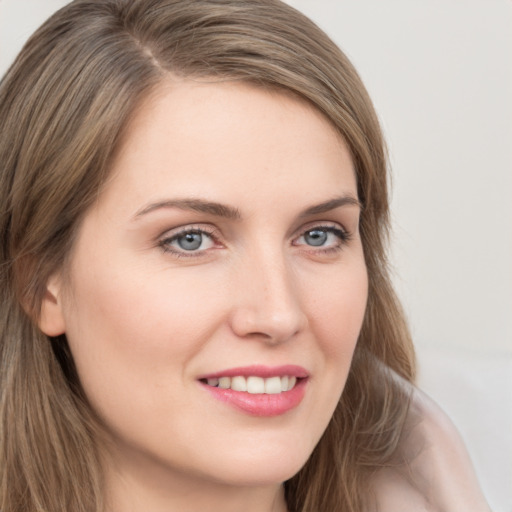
point(268, 307)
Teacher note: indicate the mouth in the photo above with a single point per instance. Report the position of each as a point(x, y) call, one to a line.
point(258, 390)
point(254, 384)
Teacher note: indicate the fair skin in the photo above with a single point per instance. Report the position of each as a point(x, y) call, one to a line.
point(227, 237)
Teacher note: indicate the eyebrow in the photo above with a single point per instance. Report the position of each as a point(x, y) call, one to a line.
point(331, 204)
point(229, 212)
point(196, 205)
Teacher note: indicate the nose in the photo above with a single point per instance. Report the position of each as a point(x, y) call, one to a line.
point(267, 300)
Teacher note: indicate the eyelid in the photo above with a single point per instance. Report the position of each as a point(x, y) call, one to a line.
point(165, 240)
point(170, 235)
point(327, 225)
point(337, 229)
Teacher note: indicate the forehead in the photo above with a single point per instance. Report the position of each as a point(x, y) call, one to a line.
point(210, 138)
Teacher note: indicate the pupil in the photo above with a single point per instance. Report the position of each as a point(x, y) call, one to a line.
point(190, 241)
point(315, 237)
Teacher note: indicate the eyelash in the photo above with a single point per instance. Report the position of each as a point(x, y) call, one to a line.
point(165, 243)
point(342, 234)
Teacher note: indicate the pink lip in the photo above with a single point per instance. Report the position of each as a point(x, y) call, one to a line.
point(262, 405)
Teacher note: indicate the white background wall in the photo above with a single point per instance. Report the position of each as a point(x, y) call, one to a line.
point(440, 74)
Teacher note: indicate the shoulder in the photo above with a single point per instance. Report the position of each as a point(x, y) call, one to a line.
point(432, 471)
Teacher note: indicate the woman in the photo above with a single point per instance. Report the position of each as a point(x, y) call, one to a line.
point(196, 310)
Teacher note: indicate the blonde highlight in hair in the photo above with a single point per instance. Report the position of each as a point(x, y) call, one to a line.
point(65, 104)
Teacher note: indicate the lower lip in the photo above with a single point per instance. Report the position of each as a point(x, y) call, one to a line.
point(261, 404)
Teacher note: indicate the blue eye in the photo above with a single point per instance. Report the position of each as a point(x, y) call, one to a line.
point(316, 237)
point(188, 241)
point(328, 237)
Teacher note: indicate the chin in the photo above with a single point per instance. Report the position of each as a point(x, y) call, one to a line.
point(269, 466)
point(261, 475)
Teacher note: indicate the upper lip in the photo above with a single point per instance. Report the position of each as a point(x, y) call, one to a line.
point(290, 370)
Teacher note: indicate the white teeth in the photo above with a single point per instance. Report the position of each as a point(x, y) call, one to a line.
point(255, 385)
point(225, 382)
point(273, 385)
point(238, 384)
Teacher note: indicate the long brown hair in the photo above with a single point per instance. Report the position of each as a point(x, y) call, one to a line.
point(64, 105)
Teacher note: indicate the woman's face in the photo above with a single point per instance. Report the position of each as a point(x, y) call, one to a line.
point(223, 254)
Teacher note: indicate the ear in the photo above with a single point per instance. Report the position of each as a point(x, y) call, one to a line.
point(51, 320)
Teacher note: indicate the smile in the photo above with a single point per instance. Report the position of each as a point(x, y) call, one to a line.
point(258, 390)
point(254, 384)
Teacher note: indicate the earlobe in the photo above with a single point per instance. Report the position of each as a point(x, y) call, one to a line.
point(51, 320)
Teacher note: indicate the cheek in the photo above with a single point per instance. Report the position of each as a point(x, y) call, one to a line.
point(131, 340)
point(335, 312)
point(338, 309)
point(124, 323)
